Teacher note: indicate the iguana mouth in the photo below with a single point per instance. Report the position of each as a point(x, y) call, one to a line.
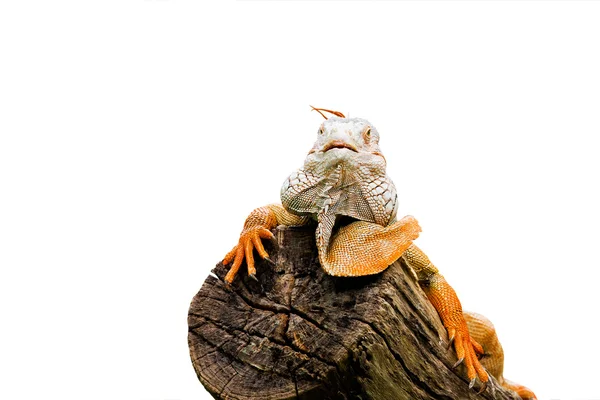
point(338, 144)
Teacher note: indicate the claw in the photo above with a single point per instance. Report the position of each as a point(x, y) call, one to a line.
point(483, 387)
point(274, 240)
point(450, 341)
point(460, 360)
point(253, 277)
point(472, 383)
point(267, 259)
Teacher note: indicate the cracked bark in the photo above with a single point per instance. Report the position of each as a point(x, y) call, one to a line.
point(298, 333)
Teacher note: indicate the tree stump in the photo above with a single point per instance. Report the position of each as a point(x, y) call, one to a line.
point(298, 333)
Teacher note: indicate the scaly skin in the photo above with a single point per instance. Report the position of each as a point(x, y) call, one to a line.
point(482, 330)
point(343, 185)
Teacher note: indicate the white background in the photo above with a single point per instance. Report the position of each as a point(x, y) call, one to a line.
point(137, 135)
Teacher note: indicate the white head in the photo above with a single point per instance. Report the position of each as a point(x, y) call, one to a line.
point(350, 134)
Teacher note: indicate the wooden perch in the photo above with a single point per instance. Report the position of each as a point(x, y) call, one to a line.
point(298, 333)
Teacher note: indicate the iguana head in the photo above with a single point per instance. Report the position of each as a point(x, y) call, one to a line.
point(339, 135)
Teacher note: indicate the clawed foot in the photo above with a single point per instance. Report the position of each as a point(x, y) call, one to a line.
point(250, 239)
point(467, 351)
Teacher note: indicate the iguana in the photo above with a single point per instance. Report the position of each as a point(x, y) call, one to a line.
point(343, 185)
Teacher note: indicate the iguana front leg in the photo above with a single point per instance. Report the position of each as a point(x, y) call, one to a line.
point(445, 301)
point(258, 226)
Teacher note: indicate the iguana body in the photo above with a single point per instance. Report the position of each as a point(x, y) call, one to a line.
point(343, 186)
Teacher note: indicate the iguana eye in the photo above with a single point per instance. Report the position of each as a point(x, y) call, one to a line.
point(367, 134)
point(321, 131)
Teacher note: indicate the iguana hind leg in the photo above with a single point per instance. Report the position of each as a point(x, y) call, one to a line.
point(482, 330)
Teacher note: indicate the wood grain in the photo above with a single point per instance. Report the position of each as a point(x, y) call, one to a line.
point(299, 333)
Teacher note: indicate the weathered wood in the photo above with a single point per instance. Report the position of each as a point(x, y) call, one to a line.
point(298, 333)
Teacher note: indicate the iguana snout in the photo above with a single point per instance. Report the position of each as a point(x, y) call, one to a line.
point(339, 144)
